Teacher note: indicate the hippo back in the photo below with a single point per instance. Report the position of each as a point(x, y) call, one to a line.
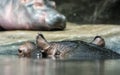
point(83, 50)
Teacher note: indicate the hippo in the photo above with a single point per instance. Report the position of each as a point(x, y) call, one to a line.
point(30, 15)
point(75, 49)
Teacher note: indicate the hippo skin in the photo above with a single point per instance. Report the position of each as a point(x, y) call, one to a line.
point(30, 15)
point(76, 49)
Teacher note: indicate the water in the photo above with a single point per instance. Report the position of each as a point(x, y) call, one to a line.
point(16, 66)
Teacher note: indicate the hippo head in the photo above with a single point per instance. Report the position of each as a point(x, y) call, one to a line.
point(30, 15)
point(43, 13)
point(26, 49)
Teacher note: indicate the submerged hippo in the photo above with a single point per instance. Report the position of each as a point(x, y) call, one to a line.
point(30, 15)
point(68, 49)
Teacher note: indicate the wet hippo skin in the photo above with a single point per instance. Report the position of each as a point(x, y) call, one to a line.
point(76, 49)
point(30, 15)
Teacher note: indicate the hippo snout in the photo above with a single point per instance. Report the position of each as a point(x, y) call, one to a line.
point(57, 21)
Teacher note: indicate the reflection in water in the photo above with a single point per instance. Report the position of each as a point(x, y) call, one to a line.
point(24, 66)
point(80, 68)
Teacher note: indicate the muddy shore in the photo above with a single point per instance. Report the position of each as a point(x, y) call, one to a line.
point(72, 32)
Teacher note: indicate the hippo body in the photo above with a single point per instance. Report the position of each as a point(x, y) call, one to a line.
point(82, 50)
point(30, 15)
point(76, 49)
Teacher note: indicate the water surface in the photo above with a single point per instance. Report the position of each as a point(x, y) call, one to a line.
point(23, 66)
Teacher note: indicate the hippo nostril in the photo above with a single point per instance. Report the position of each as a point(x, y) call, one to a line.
point(57, 21)
point(60, 18)
point(60, 21)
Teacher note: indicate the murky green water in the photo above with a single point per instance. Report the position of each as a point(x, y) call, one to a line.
point(16, 66)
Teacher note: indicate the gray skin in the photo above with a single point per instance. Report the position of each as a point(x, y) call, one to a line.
point(30, 15)
point(72, 49)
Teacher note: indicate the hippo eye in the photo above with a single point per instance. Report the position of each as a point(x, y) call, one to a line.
point(19, 51)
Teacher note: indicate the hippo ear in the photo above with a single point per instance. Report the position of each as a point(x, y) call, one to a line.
point(41, 35)
point(42, 42)
point(98, 40)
